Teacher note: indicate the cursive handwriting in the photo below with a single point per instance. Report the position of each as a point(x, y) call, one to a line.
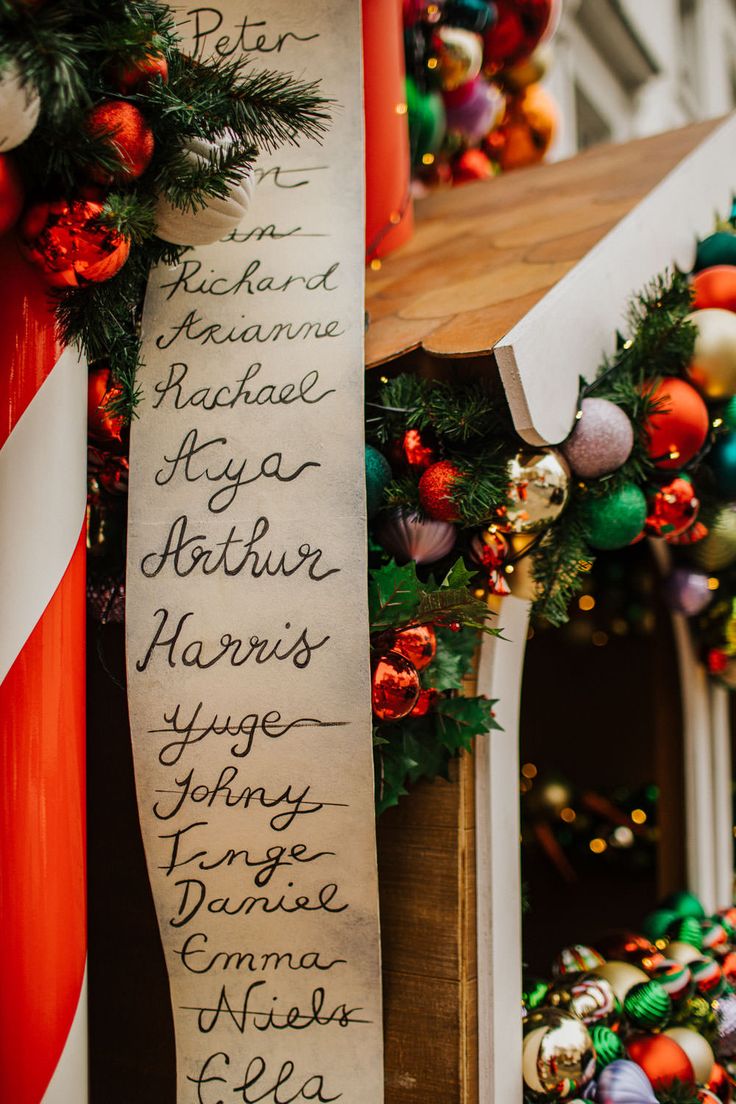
point(194, 328)
point(247, 960)
point(228, 396)
point(188, 279)
point(195, 896)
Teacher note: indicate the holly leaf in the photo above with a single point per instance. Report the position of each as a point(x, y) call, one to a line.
point(394, 596)
point(458, 576)
point(460, 720)
point(393, 764)
point(446, 670)
point(455, 604)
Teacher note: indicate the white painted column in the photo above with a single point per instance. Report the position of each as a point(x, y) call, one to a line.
point(500, 672)
point(720, 734)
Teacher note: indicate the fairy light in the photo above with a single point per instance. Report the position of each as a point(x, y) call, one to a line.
point(599, 638)
point(428, 159)
point(432, 63)
point(376, 264)
point(674, 453)
point(597, 845)
point(509, 569)
point(401, 108)
point(717, 423)
point(479, 592)
point(713, 583)
point(530, 770)
point(384, 379)
point(568, 815)
point(638, 816)
point(628, 343)
point(578, 415)
point(586, 602)
point(394, 218)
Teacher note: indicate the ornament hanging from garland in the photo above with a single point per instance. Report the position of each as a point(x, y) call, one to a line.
point(717, 249)
point(436, 491)
point(538, 490)
point(601, 441)
point(377, 478)
point(122, 126)
point(672, 509)
point(69, 242)
point(713, 367)
point(558, 1057)
point(679, 425)
point(615, 519)
point(394, 687)
point(715, 288)
point(409, 537)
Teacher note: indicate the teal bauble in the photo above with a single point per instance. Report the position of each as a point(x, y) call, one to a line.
point(723, 461)
point(377, 478)
point(607, 1046)
point(427, 123)
point(615, 519)
point(718, 249)
point(684, 904)
point(654, 926)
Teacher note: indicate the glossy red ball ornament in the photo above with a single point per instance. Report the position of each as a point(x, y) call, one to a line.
point(417, 451)
point(134, 76)
point(394, 687)
point(103, 425)
point(67, 242)
point(472, 165)
point(716, 661)
point(11, 193)
point(425, 702)
point(125, 129)
point(720, 1084)
point(672, 509)
point(435, 491)
point(678, 428)
point(628, 946)
point(729, 967)
point(418, 644)
point(715, 288)
point(519, 27)
point(662, 1059)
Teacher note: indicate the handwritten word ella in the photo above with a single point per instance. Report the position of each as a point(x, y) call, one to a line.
point(249, 35)
point(230, 649)
point(171, 392)
point(204, 460)
point(244, 1017)
point(195, 328)
point(260, 1086)
point(188, 279)
point(195, 945)
point(195, 896)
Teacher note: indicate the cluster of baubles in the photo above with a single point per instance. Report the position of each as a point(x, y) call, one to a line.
point(474, 100)
point(639, 1014)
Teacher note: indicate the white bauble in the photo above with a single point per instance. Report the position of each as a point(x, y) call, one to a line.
point(20, 105)
point(213, 221)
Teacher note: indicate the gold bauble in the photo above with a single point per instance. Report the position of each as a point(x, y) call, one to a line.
point(539, 486)
point(460, 56)
point(589, 996)
point(558, 1056)
point(529, 70)
point(713, 367)
point(697, 1049)
point(622, 976)
point(718, 549)
point(684, 953)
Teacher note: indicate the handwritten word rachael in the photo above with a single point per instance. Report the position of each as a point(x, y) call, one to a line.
point(194, 328)
point(279, 1088)
point(248, 38)
point(188, 279)
point(227, 396)
point(195, 945)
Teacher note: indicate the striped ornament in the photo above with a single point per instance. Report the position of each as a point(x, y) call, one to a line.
point(43, 1041)
point(647, 1005)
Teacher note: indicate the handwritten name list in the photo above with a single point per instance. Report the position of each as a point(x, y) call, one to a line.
point(247, 633)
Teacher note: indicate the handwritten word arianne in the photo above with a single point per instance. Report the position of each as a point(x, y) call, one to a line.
point(194, 328)
point(260, 1085)
point(195, 460)
point(195, 945)
point(195, 895)
point(228, 396)
point(234, 650)
point(187, 279)
point(249, 35)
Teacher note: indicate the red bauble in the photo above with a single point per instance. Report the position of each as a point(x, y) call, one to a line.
point(715, 287)
point(417, 451)
point(672, 509)
point(394, 687)
point(696, 532)
point(114, 474)
point(716, 661)
point(101, 391)
point(677, 431)
point(519, 27)
point(662, 1059)
point(137, 75)
point(719, 1084)
point(627, 946)
point(418, 644)
point(425, 702)
point(66, 240)
point(489, 548)
point(472, 165)
point(435, 489)
point(127, 131)
point(11, 193)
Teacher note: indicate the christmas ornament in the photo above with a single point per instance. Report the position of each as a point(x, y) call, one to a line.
point(101, 391)
point(409, 537)
point(425, 702)
point(416, 451)
point(475, 15)
point(527, 130)
point(219, 216)
point(377, 478)
point(394, 687)
point(707, 975)
point(627, 946)
point(718, 550)
point(722, 459)
point(697, 1049)
point(675, 978)
point(647, 1006)
point(11, 193)
point(719, 1084)
point(718, 249)
point(705, 1096)
point(66, 240)
point(472, 165)
point(686, 929)
point(684, 953)
point(19, 107)
point(427, 123)
point(678, 427)
point(623, 1082)
point(123, 127)
point(601, 441)
point(687, 591)
point(539, 485)
point(474, 108)
point(728, 916)
point(418, 644)
point(729, 414)
point(557, 1057)
point(135, 76)
point(519, 27)
point(490, 549)
point(713, 367)
point(662, 1059)
point(534, 993)
point(729, 967)
point(725, 1042)
point(695, 533)
point(607, 1046)
point(715, 935)
point(622, 976)
point(696, 1012)
point(613, 520)
point(460, 56)
point(672, 509)
point(435, 491)
point(529, 70)
point(576, 959)
point(715, 288)
point(656, 923)
point(590, 997)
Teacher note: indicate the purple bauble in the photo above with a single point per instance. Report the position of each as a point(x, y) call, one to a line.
point(473, 109)
point(601, 441)
point(725, 1044)
point(408, 537)
point(687, 591)
point(623, 1082)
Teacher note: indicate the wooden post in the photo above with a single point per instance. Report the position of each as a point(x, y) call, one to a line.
point(720, 734)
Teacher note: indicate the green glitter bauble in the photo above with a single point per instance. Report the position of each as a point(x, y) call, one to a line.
point(685, 904)
point(427, 124)
point(718, 249)
point(686, 929)
point(377, 478)
point(647, 1005)
point(613, 520)
point(654, 926)
point(697, 1013)
point(607, 1046)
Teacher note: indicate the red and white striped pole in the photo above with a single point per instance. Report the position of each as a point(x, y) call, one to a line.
point(43, 941)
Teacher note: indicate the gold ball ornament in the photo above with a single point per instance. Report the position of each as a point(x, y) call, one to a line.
point(539, 487)
point(558, 1057)
point(460, 56)
point(718, 549)
point(622, 976)
point(697, 1049)
point(684, 953)
point(713, 367)
point(529, 70)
